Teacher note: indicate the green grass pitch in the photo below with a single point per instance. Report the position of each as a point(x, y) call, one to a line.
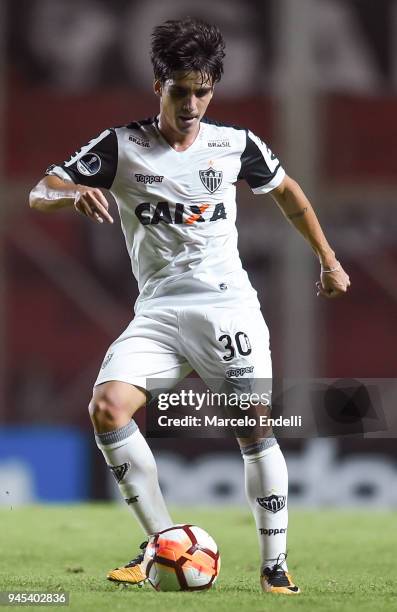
point(343, 561)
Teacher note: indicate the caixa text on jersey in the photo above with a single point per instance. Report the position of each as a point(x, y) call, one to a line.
point(151, 213)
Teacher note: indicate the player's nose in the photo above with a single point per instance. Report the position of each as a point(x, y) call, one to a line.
point(189, 105)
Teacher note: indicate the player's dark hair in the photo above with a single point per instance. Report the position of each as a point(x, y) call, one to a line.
point(188, 45)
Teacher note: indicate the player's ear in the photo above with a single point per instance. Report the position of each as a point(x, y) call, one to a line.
point(157, 87)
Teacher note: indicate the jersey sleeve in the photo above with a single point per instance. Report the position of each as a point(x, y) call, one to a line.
point(94, 165)
point(259, 166)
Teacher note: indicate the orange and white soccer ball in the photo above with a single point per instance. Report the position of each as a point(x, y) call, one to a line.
point(182, 558)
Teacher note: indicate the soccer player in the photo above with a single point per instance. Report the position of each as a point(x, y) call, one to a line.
point(173, 178)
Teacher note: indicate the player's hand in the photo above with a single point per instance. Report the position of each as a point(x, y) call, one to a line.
point(333, 283)
point(92, 203)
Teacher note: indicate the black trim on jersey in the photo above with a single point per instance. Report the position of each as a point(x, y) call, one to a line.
point(219, 124)
point(254, 168)
point(97, 166)
point(136, 125)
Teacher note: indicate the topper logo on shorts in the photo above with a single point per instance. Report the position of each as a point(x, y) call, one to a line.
point(272, 503)
point(152, 214)
point(236, 372)
point(148, 178)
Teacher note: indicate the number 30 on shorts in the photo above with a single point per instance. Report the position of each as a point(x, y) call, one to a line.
point(241, 343)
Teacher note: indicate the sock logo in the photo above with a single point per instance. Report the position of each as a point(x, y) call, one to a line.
point(272, 503)
point(119, 471)
point(270, 532)
point(132, 500)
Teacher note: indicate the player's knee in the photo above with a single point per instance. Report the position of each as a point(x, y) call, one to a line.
point(108, 408)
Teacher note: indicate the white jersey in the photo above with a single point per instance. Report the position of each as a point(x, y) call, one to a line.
point(178, 209)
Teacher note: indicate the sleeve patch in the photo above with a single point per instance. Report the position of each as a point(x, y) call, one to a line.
point(89, 164)
point(95, 164)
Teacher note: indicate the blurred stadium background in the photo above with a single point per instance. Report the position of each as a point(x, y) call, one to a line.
point(317, 79)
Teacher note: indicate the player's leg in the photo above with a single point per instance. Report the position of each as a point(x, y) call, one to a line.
point(145, 350)
point(127, 453)
point(232, 345)
point(266, 486)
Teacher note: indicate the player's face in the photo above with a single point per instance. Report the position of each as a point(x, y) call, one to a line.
point(183, 102)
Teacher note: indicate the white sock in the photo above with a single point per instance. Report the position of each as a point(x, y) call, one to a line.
point(130, 459)
point(266, 484)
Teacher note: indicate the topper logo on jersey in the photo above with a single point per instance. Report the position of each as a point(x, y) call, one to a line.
point(211, 179)
point(89, 164)
point(178, 214)
point(148, 179)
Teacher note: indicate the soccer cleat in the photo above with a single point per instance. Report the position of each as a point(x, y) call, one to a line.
point(133, 572)
point(276, 580)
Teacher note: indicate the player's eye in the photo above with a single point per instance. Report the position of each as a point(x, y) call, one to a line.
point(178, 93)
point(202, 92)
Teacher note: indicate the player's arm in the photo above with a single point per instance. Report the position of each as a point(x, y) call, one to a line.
point(53, 193)
point(77, 182)
point(264, 174)
point(299, 212)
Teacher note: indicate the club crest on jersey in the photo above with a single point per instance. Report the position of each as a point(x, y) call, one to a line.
point(89, 164)
point(211, 179)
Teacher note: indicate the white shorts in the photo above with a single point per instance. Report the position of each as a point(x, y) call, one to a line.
point(218, 342)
